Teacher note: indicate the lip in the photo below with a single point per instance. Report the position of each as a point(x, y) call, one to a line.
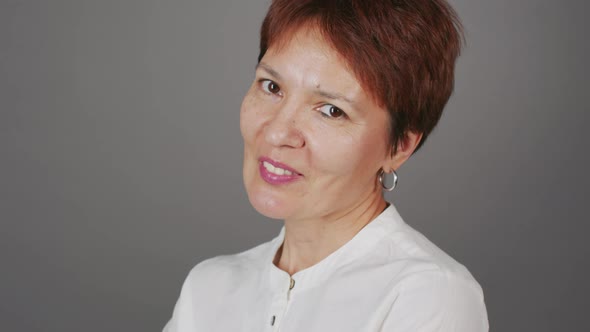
point(275, 178)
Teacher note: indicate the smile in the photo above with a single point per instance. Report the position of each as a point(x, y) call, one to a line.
point(276, 173)
point(276, 170)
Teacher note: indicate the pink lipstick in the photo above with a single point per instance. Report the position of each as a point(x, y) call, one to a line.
point(274, 172)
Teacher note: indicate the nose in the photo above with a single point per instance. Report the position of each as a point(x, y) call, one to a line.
point(283, 129)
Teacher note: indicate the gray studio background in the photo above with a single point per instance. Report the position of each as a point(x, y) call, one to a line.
point(121, 159)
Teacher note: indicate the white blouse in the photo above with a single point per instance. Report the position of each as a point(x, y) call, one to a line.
point(388, 278)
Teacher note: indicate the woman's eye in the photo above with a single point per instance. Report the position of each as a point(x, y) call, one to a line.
point(332, 111)
point(270, 87)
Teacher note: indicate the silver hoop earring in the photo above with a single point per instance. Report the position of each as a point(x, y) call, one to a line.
point(382, 180)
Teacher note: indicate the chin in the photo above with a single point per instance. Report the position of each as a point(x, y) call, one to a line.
point(268, 200)
point(270, 204)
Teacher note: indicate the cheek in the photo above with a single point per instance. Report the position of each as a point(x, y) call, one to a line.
point(351, 153)
point(248, 118)
point(333, 151)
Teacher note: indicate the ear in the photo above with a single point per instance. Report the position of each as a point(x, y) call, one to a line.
point(405, 148)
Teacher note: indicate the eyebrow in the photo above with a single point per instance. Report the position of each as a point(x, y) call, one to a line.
point(319, 92)
point(269, 70)
point(334, 96)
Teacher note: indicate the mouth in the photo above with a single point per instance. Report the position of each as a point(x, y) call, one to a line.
point(277, 173)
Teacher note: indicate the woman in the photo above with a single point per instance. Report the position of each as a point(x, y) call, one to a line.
point(345, 92)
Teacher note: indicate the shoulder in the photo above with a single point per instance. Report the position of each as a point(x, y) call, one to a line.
point(402, 245)
point(432, 291)
point(426, 274)
point(209, 285)
point(222, 268)
point(437, 300)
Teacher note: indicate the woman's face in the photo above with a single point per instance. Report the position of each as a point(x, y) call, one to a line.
point(314, 141)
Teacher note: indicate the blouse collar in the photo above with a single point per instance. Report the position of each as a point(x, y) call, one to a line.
point(359, 246)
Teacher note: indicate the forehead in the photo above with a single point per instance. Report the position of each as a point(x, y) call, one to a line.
point(306, 55)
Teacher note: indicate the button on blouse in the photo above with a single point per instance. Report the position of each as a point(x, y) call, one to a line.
point(389, 277)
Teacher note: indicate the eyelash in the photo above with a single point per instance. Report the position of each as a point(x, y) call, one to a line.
point(342, 116)
point(263, 83)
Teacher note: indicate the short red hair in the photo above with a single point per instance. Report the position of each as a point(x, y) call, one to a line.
point(402, 51)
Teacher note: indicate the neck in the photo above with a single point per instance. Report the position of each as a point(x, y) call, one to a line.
point(307, 242)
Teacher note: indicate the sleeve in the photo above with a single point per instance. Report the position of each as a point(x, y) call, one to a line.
point(437, 302)
point(182, 319)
